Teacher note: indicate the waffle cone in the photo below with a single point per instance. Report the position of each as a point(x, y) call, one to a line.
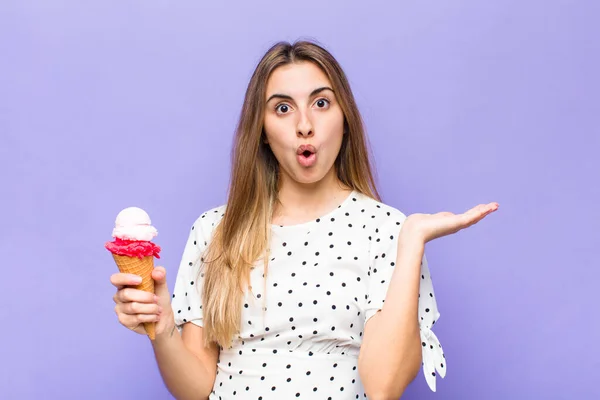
point(142, 267)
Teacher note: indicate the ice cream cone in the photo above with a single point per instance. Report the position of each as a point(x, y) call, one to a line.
point(142, 267)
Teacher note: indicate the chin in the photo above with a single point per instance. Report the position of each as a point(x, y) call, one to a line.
point(307, 180)
point(307, 176)
point(310, 177)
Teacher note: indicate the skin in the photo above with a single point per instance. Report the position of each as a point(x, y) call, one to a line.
point(301, 108)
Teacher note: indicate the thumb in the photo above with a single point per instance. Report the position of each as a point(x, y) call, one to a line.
point(159, 274)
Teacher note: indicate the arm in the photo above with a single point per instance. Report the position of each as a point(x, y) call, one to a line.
point(186, 366)
point(390, 355)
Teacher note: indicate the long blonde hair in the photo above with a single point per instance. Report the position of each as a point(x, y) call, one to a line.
point(243, 235)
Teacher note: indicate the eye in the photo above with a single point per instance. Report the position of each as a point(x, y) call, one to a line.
point(322, 103)
point(282, 108)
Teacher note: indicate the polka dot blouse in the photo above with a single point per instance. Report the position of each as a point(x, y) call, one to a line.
point(301, 337)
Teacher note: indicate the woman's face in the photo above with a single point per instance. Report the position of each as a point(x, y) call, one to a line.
point(301, 114)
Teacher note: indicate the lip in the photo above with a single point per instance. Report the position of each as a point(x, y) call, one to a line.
point(307, 162)
point(306, 147)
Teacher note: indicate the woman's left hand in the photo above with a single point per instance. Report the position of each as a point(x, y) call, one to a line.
point(432, 226)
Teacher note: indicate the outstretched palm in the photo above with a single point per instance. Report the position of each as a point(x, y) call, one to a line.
point(433, 226)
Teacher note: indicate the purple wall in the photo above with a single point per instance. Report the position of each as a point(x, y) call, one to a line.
point(107, 104)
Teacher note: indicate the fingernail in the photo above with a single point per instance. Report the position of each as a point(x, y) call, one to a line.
point(155, 298)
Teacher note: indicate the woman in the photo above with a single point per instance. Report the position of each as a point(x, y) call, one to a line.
point(280, 292)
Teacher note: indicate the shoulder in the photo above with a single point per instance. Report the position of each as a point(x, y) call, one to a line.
point(378, 214)
point(208, 220)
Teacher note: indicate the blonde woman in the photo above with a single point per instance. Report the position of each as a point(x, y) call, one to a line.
point(304, 285)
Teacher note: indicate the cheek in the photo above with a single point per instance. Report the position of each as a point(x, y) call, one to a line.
point(334, 126)
point(275, 133)
point(274, 136)
point(333, 119)
point(272, 130)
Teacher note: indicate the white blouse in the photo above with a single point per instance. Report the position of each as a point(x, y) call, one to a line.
point(326, 278)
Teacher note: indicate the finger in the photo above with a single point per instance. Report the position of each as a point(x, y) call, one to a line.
point(477, 213)
point(140, 308)
point(141, 318)
point(127, 295)
point(486, 209)
point(129, 321)
point(159, 273)
point(478, 209)
point(467, 218)
point(132, 321)
point(160, 284)
point(121, 279)
point(493, 206)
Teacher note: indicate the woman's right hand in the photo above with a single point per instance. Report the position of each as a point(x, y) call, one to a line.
point(134, 307)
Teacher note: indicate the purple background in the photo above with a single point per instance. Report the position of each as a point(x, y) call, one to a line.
point(108, 104)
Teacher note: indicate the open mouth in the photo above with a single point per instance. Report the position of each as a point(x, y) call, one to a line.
point(307, 156)
point(306, 150)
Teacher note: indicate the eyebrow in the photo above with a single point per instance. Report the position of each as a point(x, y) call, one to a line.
point(286, 97)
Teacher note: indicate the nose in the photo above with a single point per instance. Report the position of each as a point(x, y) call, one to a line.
point(304, 127)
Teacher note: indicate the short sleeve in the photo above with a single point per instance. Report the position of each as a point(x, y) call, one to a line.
point(186, 301)
point(433, 354)
point(384, 247)
point(383, 256)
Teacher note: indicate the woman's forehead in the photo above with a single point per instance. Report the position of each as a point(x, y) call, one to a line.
point(296, 79)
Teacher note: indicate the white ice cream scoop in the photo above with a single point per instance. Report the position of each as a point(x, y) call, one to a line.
point(133, 223)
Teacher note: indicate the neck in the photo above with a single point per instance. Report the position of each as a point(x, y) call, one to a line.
point(302, 202)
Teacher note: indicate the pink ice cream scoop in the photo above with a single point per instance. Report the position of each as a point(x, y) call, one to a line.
point(133, 233)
